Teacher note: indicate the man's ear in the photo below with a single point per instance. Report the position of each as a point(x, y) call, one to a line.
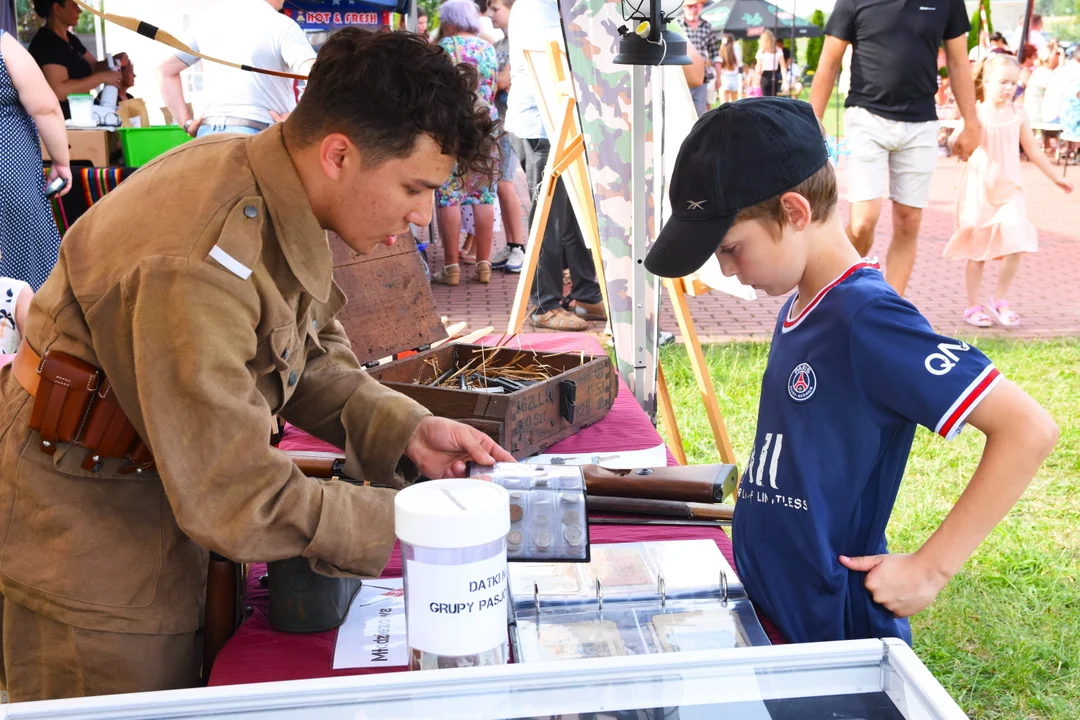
point(797, 209)
point(334, 151)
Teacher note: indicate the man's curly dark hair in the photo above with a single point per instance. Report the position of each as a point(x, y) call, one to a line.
point(385, 90)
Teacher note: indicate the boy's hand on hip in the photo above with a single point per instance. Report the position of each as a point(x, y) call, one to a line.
point(904, 584)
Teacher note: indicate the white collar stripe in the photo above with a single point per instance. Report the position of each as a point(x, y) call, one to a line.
point(791, 323)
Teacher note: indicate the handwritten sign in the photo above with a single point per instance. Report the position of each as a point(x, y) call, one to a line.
point(373, 634)
point(457, 609)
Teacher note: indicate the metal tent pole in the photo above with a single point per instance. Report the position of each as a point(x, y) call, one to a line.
point(638, 189)
point(1029, 8)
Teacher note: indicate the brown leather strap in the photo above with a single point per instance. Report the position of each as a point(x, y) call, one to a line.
point(55, 406)
point(26, 366)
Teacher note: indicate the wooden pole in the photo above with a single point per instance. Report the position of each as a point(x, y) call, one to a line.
point(701, 371)
point(667, 416)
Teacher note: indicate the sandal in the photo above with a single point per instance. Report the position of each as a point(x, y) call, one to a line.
point(559, 319)
point(483, 271)
point(974, 315)
point(449, 275)
point(467, 256)
point(1001, 312)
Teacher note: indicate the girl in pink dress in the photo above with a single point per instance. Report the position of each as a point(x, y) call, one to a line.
point(991, 220)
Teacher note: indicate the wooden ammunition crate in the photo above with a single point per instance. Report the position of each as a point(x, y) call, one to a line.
point(391, 311)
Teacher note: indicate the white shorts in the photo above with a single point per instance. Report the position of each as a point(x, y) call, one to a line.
point(905, 151)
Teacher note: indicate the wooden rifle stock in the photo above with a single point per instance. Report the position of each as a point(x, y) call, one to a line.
point(223, 581)
point(689, 483)
point(318, 464)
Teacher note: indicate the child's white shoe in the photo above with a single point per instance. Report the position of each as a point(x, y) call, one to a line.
point(974, 315)
point(1003, 314)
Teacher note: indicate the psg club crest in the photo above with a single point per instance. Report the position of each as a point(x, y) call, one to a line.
point(802, 383)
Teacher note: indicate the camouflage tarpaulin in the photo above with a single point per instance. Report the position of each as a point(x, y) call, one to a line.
point(605, 112)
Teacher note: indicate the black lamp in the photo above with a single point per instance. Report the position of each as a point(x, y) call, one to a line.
point(645, 40)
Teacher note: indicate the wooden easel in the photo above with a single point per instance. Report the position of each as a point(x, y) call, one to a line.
point(567, 157)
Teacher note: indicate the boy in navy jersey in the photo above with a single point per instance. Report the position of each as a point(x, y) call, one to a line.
point(853, 368)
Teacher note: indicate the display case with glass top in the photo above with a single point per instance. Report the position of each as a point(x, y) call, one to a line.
point(857, 679)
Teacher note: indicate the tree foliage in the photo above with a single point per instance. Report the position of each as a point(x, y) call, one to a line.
point(814, 45)
point(976, 23)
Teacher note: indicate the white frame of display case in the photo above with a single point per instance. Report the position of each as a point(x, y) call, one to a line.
point(748, 669)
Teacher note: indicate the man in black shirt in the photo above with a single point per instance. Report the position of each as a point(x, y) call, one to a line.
point(891, 120)
point(64, 60)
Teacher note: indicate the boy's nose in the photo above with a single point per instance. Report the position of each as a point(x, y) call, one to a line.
point(727, 266)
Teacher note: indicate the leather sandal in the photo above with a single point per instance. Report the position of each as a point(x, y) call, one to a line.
point(483, 271)
point(449, 275)
point(559, 319)
point(590, 311)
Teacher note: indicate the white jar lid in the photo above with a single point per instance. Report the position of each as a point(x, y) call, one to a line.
point(451, 514)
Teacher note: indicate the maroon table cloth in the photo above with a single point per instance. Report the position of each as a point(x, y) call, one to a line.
point(258, 653)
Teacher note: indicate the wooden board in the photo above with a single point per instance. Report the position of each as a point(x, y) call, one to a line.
point(391, 308)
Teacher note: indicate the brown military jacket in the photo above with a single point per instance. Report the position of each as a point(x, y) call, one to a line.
point(203, 287)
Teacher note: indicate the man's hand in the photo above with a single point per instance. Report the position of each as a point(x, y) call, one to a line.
point(440, 448)
point(966, 142)
point(904, 584)
point(192, 129)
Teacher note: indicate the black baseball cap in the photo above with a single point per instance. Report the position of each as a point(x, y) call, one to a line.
point(736, 156)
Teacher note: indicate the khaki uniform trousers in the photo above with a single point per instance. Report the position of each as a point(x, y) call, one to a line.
point(42, 659)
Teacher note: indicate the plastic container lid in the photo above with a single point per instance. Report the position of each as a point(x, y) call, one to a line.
point(452, 514)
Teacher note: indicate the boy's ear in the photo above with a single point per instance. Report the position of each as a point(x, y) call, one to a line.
point(797, 210)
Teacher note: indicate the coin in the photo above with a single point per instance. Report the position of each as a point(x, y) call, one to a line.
point(571, 517)
point(516, 512)
point(570, 498)
point(542, 538)
point(573, 534)
point(515, 537)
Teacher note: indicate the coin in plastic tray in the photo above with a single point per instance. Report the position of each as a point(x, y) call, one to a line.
point(570, 482)
point(542, 538)
point(514, 537)
point(573, 534)
point(571, 517)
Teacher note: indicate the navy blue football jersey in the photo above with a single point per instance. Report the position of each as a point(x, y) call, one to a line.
point(847, 381)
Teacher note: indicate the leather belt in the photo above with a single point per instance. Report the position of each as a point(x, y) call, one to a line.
point(238, 122)
point(25, 367)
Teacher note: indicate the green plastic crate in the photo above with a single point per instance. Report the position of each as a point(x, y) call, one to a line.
point(141, 145)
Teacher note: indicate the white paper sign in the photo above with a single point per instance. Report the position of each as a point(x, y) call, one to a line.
point(457, 609)
point(373, 634)
point(617, 460)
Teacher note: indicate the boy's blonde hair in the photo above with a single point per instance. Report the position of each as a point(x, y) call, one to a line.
point(819, 190)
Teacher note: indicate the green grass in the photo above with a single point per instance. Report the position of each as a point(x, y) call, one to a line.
point(834, 112)
point(1004, 636)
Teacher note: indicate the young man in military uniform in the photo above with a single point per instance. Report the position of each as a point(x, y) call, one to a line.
point(202, 288)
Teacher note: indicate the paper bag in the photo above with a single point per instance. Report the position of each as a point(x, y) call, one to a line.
point(133, 113)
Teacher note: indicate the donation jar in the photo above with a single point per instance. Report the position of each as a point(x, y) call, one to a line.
point(453, 553)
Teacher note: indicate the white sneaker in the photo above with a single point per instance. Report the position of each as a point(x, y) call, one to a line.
point(516, 260)
point(498, 260)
